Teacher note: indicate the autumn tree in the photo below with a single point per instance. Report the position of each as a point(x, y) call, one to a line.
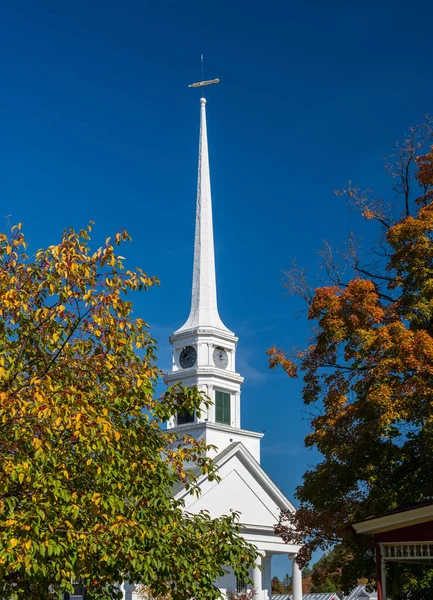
point(87, 473)
point(368, 371)
point(326, 572)
point(277, 586)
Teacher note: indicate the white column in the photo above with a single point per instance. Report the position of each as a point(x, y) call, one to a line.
point(267, 576)
point(297, 579)
point(257, 579)
point(128, 588)
point(383, 571)
point(237, 411)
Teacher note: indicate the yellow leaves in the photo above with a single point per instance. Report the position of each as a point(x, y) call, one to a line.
point(13, 543)
point(38, 395)
point(70, 412)
point(96, 499)
point(45, 411)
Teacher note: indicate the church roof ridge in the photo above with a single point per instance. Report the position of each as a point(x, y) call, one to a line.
point(239, 447)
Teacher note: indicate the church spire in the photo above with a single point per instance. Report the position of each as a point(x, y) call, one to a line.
point(204, 311)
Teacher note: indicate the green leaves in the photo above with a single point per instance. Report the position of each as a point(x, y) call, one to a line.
point(86, 472)
point(368, 373)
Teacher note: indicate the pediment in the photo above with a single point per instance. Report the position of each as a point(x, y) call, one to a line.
point(244, 488)
point(234, 493)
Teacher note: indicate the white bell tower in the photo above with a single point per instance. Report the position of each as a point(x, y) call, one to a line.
point(204, 349)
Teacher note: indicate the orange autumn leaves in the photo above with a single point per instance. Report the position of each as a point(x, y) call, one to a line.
point(368, 378)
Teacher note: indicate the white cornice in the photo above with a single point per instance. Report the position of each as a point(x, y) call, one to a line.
point(395, 520)
point(202, 332)
point(217, 427)
point(182, 375)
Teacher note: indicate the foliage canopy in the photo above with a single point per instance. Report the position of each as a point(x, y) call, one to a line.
point(87, 473)
point(368, 372)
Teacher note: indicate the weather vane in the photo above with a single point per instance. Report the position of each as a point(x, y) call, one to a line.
point(202, 83)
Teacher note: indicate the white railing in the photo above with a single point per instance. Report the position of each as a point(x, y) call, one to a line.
point(408, 551)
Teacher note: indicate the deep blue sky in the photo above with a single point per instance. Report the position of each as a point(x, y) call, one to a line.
point(97, 122)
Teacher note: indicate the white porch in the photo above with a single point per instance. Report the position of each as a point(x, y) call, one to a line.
point(261, 576)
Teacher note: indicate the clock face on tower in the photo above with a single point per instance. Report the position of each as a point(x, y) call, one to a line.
point(188, 356)
point(220, 358)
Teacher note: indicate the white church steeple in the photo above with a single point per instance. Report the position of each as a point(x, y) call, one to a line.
point(204, 310)
point(204, 349)
point(204, 355)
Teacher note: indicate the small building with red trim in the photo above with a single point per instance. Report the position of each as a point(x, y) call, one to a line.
point(404, 535)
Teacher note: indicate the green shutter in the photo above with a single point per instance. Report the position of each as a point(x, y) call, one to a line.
point(226, 409)
point(222, 407)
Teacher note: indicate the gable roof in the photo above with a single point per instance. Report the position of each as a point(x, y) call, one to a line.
point(248, 460)
point(360, 593)
point(318, 596)
point(238, 450)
